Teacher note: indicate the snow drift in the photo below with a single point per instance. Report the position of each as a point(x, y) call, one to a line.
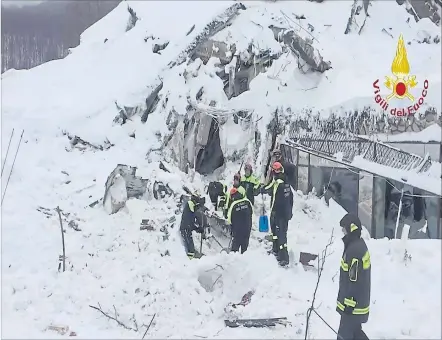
point(208, 116)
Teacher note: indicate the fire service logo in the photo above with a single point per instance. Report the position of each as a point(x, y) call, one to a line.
point(400, 85)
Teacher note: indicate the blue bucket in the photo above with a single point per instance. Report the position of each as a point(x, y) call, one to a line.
point(263, 224)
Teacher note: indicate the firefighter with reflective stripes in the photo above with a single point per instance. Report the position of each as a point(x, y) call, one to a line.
point(250, 183)
point(189, 222)
point(281, 205)
point(354, 281)
point(236, 185)
point(239, 217)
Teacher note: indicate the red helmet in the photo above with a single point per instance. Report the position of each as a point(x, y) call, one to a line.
point(233, 191)
point(277, 167)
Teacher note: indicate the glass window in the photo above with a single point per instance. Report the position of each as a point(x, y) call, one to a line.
point(432, 215)
point(303, 179)
point(319, 161)
point(303, 158)
point(378, 207)
point(365, 199)
point(340, 183)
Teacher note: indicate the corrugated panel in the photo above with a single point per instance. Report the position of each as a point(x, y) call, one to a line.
point(350, 146)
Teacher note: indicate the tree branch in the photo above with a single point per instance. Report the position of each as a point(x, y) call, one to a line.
point(111, 317)
point(150, 323)
point(321, 262)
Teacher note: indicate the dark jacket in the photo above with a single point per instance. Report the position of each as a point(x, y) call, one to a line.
point(217, 192)
point(355, 272)
point(188, 218)
point(240, 212)
point(251, 186)
point(228, 201)
point(281, 202)
point(290, 172)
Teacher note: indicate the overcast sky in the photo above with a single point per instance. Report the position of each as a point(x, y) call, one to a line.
point(20, 2)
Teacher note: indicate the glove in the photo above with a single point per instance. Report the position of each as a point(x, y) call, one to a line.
point(262, 189)
point(348, 310)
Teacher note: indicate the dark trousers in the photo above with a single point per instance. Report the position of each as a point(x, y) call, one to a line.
point(240, 238)
point(275, 246)
point(281, 228)
point(186, 235)
point(350, 328)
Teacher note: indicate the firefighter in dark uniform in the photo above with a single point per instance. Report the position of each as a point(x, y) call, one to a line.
point(250, 183)
point(239, 216)
point(237, 185)
point(289, 168)
point(354, 281)
point(190, 222)
point(281, 205)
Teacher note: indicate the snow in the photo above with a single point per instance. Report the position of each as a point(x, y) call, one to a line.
point(110, 261)
point(35, 294)
point(433, 133)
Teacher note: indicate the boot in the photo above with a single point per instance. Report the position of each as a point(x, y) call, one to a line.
point(268, 238)
point(198, 255)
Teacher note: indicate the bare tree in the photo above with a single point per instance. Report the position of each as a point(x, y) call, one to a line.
point(321, 262)
point(32, 35)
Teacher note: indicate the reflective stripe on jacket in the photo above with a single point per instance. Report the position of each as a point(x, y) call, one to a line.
point(239, 207)
point(241, 190)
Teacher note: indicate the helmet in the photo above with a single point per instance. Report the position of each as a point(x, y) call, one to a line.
point(351, 224)
point(197, 199)
point(277, 168)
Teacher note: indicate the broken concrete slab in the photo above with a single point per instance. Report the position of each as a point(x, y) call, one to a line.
point(216, 25)
point(302, 48)
point(156, 48)
point(122, 184)
point(151, 102)
point(77, 142)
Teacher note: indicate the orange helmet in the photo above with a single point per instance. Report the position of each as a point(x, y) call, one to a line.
point(277, 167)
point(233, 191)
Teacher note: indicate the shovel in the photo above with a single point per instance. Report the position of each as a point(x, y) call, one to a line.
point(263, 220)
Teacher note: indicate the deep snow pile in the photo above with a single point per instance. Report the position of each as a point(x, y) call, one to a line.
point(113, 263)
point(125, 267)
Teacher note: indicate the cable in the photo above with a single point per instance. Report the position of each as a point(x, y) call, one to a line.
point(7, 151)
point(12, 167)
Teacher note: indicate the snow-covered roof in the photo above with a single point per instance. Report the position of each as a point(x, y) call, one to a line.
point(125, 69)
point(433, 133)
point(375, 157)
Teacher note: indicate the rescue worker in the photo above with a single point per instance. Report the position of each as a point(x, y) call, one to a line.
point(237, 185)
point(354, 281)
point(289, 168)
point(250, 183)
point(190, 222)
point(217, 192)
point(281, 205)
point(239, 217)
